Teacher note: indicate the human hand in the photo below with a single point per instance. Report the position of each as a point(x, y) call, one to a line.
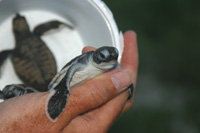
point(91, 107)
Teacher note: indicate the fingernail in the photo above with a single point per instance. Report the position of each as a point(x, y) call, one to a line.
point(121, 79)
point(131, 90)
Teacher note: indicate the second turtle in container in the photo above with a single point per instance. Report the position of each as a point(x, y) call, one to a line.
point(33, 61)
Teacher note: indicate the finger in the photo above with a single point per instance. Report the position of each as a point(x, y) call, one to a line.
point(99, 119)
point(130, 53)
point(87, 49)
point(130, 60)
point(83, 98)
point(25, 114)
point(94, 93)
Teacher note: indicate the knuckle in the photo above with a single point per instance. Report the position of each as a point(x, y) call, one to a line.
point(100, 94)
point(86, 124)
point(91, 124)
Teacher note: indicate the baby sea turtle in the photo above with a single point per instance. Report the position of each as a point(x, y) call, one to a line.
point(14, 90)
point(76, 72)
point(32, 59)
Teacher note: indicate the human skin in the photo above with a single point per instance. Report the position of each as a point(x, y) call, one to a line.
point(91, 107)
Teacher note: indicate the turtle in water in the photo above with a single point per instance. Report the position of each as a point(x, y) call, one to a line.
point(76, 72)
point(33, 61)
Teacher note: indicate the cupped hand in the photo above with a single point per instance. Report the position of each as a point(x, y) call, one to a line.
point(91, 107)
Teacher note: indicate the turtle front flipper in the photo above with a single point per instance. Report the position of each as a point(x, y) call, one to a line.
point(57, 100)
point(3, 56)
point(42, 28)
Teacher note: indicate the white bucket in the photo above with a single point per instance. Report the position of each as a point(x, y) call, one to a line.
point(93, 22)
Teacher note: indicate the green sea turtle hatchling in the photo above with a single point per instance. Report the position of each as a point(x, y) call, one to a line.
point(32, 59)
point(14, 90)
point(76, 72)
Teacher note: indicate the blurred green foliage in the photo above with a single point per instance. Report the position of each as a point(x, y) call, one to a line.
point(168, 81)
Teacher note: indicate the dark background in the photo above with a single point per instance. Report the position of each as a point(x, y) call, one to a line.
point(168, 88)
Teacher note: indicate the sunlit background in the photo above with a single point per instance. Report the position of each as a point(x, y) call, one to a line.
point(167, 95)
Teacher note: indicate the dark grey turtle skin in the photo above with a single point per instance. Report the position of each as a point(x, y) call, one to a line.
point(33, 61)
point(14, 90)
point(76, 72)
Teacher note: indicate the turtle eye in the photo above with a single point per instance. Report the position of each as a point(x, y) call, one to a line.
point(102, 55)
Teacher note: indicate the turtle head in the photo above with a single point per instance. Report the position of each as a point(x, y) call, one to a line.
point(105, 58)
point(20, 24)
point(13, 90)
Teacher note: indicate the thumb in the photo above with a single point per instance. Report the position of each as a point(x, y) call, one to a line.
point(94, 93)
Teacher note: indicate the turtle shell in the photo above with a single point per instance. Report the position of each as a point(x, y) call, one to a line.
point(34, 63)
